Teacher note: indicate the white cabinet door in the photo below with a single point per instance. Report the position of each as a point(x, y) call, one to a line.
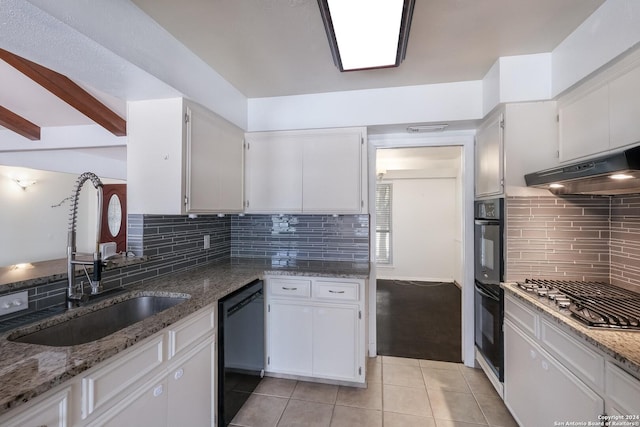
point(584, 125)
point(335, 342)
point(520, 382)
point(182, 158)
point(52, 411)
point(489, 158)
point(331, 173)
point(214, 159)
point(306, 172)
point(531, 372)
point(623, 392)
point(624, 98)
point(290, 338)
point(144, 408)
point(273, 174)
point(190, 388)
point(155, 134)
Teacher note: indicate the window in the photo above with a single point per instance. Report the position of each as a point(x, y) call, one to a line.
point(383, 223)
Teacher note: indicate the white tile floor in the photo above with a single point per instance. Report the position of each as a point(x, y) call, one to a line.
point(401, 393)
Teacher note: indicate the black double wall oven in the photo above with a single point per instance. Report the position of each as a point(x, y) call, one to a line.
point(489, 272)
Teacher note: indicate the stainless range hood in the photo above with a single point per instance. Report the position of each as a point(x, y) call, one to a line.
point(617, 173)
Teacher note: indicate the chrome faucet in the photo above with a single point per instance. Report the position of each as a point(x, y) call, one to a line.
point(75, 293)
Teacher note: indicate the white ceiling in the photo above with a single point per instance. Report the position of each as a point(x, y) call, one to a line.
point(279, 47)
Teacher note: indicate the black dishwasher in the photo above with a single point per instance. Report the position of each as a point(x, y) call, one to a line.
point(240, 348)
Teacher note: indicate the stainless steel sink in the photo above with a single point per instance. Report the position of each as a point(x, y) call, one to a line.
point(100, 323)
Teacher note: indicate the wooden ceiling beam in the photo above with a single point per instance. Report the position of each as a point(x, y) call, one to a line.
point(69, 92)
point(19, 124)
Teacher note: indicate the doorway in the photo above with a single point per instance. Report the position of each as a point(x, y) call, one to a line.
point(425, 274)
point(417, 231)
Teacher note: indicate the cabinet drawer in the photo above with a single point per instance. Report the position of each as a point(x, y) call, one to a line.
point(584, 362)
point(300, 288)
point(344, 291)
point(116, 378)
point(623, 390)
point(523, 317)
point(190, 331)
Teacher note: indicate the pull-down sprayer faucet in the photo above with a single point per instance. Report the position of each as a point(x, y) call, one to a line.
point(75, 293)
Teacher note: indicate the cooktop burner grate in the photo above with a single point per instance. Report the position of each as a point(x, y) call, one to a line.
point(597, 304)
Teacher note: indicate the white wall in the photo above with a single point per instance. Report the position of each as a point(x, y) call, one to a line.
point(423, 230)
point(610, 31)
point(33, 230)
point(424, 103)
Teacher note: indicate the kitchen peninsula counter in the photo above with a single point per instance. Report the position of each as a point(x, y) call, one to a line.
point(623, 346)
point(28, 370)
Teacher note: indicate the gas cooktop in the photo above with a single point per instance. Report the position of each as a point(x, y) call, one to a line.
point(596, 304)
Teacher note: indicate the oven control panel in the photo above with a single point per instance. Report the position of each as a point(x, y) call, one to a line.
point(488, 209)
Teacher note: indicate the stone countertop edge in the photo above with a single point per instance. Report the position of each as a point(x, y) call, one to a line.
point(29, 370)
point(623, 346)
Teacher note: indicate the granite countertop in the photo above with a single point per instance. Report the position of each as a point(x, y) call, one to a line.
point(28, 370)
point(623, 346)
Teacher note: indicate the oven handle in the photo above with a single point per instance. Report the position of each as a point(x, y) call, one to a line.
point(485, 294)
point(486, 222)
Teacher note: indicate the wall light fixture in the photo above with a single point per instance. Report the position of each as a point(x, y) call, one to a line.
point(24, 183)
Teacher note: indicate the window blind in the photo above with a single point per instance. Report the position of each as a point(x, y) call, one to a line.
point(383, 223)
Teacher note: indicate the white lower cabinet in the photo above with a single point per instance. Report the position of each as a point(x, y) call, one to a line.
point(144, 407)
point(540, 391)
point(553, 376)
point(623, 393)
point(166, 380)
point(190, 393)
point(315, 328)
point(51, 411)
point(289, 337)
point(335, 342)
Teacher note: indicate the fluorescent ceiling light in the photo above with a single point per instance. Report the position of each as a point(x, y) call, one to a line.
point(366, 34)
point(554, 185)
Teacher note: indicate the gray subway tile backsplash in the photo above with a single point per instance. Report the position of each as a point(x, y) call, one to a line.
point(574, 237)
point(305, 237)
point(174, 243)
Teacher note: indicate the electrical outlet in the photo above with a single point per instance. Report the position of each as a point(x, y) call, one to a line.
point(14, 302)
point(207, 241)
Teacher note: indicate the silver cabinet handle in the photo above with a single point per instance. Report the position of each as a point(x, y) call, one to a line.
point(158, 391)
point(336, 292)
point(178, 374)
point(289, 289)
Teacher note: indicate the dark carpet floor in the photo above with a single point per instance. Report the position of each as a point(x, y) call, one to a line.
point(419, 320)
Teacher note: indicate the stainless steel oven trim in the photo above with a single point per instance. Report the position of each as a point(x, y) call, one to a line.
point(485, 293)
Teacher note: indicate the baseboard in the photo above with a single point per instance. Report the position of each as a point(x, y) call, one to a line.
point(417, 279)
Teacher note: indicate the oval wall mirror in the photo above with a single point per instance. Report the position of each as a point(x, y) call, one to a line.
point(114, 215)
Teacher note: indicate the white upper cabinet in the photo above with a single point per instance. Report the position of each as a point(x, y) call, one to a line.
point(182, 158)
point(584, 125)
point(332, 173)
point(514, 140)
point(489, 157)
point(273, 173)
point(602, 114)
point(316, 171)
point(624, 96)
